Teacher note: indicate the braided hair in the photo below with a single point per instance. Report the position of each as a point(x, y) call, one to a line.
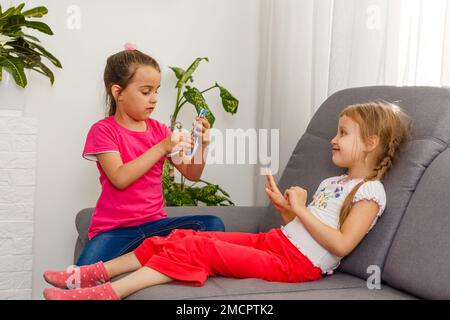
point(391, 125)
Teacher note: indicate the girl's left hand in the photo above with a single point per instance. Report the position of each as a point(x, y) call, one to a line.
point(296, 197)
point(203, 129)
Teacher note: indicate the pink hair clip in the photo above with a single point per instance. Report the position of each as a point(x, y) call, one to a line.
point(129, 46)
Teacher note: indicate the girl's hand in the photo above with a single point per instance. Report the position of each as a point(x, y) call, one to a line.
point(179, 141)
point(296, 198)
point(203, 130)
point(278, 200)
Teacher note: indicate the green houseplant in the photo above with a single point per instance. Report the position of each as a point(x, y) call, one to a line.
point(180, 194)
point(20, 51)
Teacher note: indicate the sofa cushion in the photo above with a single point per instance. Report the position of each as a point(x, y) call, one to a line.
point(227, 288)
point(385, 293)
point(311, 162)
point(419, 259)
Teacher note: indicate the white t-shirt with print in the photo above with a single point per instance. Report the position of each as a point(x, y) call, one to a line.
point(326, 206)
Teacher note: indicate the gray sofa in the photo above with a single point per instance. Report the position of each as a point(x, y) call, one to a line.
point(410, 244)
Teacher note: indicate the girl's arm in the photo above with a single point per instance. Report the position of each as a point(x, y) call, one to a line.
point(193, 170)
point(338, 242)
point(122, 175)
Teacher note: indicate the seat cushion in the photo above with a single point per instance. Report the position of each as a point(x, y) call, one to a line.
point(336, 286)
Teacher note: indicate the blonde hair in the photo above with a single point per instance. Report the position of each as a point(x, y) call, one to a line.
point(391, 125)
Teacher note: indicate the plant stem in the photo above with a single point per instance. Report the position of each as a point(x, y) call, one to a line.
point(204, 181)
point(177, 109)
point(214, 86)
point(178, 96)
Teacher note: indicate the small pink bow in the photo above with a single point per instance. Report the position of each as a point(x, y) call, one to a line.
point(129, 46)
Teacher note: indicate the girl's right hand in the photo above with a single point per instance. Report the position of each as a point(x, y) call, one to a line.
point(279, 201)
point(179, 141)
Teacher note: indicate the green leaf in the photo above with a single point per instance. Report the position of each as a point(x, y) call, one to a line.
point(188, 74)
point(215, 200)
point(166, 174)
point(45, 53)
point(37, 25)
point(224, 192)
point(229, 103)
point(15, 22)
point(0, 65)
point(19, 8)
point(16, 67)
point(13, 34)
point(37, 12)
point(21, 46)
point(45, 71)
point(20, 34)
point(31, 37)
point(195, 97)
point(190, 195)
point(208, 190)
point(20, 52)
point(194, 192)
point(12, 23)
point(7, 13)
point(178, 72)
point(179, 198)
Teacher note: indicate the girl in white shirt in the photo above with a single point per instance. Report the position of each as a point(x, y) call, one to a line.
point(312, 242)
point(345, 208)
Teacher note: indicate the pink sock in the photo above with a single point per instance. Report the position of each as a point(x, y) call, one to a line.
point(78, 277)
point(102, 292)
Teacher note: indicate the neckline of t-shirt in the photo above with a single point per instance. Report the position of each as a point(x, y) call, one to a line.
point(132, 131)
point(341, 180)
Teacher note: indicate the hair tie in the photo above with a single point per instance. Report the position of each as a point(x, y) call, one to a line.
point(129, 46)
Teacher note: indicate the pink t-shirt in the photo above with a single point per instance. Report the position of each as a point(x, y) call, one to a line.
point(140, 202)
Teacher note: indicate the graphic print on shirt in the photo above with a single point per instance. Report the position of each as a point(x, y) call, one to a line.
point(322, 198)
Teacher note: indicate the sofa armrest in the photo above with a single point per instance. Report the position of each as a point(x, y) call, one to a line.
point(237, 219)
point(82, 222)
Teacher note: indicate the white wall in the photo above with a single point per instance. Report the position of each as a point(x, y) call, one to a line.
point(174, 32)
point(17, 193)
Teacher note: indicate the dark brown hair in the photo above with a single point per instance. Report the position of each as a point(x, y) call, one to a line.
point(391, 125)
point(120, 69)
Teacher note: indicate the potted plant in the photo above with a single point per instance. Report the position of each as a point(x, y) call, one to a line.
point(20, 51)
point(180, 194)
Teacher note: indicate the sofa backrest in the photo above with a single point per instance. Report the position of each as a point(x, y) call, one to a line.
point(419, 259)
point(310, 163)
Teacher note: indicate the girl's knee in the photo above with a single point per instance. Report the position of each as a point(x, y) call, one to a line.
point(87, 258)
point(214, 223)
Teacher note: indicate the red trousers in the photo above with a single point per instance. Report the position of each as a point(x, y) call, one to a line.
point(189, 256)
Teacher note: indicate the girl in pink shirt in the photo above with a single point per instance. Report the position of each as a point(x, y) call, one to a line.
point(130, 148)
